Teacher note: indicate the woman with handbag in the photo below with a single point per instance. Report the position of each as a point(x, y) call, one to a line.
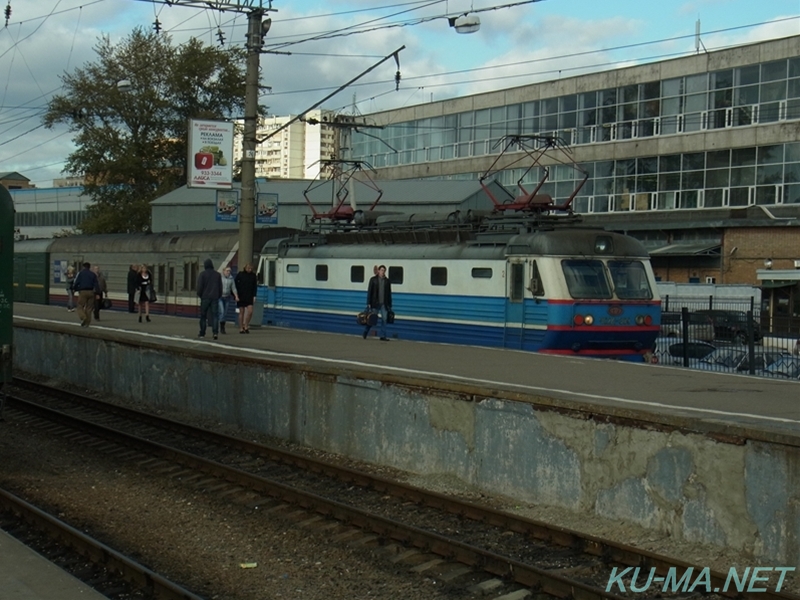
point(145, 286)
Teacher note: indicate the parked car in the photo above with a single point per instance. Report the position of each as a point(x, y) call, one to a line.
point(700, 327)
point(786, 366)
point(669, 350)
point(736, 360)
point(732, 325)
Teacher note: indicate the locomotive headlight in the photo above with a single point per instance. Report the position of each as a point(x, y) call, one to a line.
point(603, 245)
point(640, 319)
point(588, 319)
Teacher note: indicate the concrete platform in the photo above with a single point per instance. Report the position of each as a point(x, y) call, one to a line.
point(729, 404)
point(26, 575)
point(705, 457)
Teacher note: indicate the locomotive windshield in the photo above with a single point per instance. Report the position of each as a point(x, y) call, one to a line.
point(586, 278)
point(630, 280)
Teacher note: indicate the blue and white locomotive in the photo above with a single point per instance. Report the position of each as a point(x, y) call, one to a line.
point(555, 289)
point(524, 275)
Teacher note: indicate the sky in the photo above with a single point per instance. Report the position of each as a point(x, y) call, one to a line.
point(318, 46)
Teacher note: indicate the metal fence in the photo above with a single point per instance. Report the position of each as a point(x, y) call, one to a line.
point(727, 335)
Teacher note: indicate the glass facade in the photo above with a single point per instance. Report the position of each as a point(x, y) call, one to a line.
point(743, 96)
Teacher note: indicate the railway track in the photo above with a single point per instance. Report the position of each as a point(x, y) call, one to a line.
point(436, 534)
point(104, 569)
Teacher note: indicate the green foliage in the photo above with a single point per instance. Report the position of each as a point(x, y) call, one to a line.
point(132, 145)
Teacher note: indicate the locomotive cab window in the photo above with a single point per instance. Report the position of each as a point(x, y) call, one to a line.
point(395, 275)
point(630, 280)
point(586, 278)
point(438, 275)
point(357, 274)
point(322, 272)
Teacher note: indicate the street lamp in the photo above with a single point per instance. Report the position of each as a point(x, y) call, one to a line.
point(465, 23)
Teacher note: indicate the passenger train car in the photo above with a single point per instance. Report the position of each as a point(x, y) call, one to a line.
point(174, 259)
point(552, 289)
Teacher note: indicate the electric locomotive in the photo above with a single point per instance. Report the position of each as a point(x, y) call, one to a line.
point(523, 275)
point(558, 290)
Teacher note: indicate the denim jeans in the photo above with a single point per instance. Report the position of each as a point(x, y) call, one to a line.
point(223, 308)
point(383, 313)
point(70, 298)
point(209, 311)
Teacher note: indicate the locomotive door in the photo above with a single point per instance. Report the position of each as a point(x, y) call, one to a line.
point(515, 296)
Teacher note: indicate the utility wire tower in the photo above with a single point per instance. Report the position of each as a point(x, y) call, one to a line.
point(257, 28)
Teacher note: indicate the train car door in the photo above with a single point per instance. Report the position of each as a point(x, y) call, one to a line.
point(515, 296)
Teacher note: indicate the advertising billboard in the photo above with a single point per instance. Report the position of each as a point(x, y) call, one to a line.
point(210, 154)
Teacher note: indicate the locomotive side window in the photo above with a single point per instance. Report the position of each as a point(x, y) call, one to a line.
point(292, 268)
point(481, 273)
point(536, 287)
point(438, 275)
point(630, 280)
point(586, 278)
point(322, 273)
point(396, 275)
point(357, 274)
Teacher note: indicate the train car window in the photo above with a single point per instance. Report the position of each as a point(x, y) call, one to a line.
point(481, 273)
point(292, 268)
point(357, 274)
point(536, 286)
point(322, 272)
point(438, 275)
point(630, 280)
point(162, 277)
point(396, 275)
point(586, 278)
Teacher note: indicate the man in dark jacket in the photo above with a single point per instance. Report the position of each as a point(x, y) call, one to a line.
point(209, 290)
point(87, 286)
point(379, 298)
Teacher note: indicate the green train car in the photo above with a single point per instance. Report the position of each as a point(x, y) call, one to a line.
point(6, 288)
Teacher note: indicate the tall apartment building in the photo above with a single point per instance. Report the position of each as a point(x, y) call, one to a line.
point(294, 152)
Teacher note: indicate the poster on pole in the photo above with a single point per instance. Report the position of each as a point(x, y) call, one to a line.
point(267, 205)
point(210, 154)
point(227, 206)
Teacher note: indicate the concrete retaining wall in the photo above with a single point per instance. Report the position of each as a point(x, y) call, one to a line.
point(735, 493)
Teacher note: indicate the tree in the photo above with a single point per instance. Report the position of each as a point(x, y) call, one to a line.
point(132, 145)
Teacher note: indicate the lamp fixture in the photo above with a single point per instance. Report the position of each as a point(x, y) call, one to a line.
point(465, 23)
point(768, 263)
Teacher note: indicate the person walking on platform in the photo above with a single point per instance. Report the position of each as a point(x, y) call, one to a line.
point(209, 290)
point(247, 286)
point(87, 286)
point(379, 298)
point(103, 290)
point(133, 280)
point(228, 290)
point(144, 283)
point(70, 288)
